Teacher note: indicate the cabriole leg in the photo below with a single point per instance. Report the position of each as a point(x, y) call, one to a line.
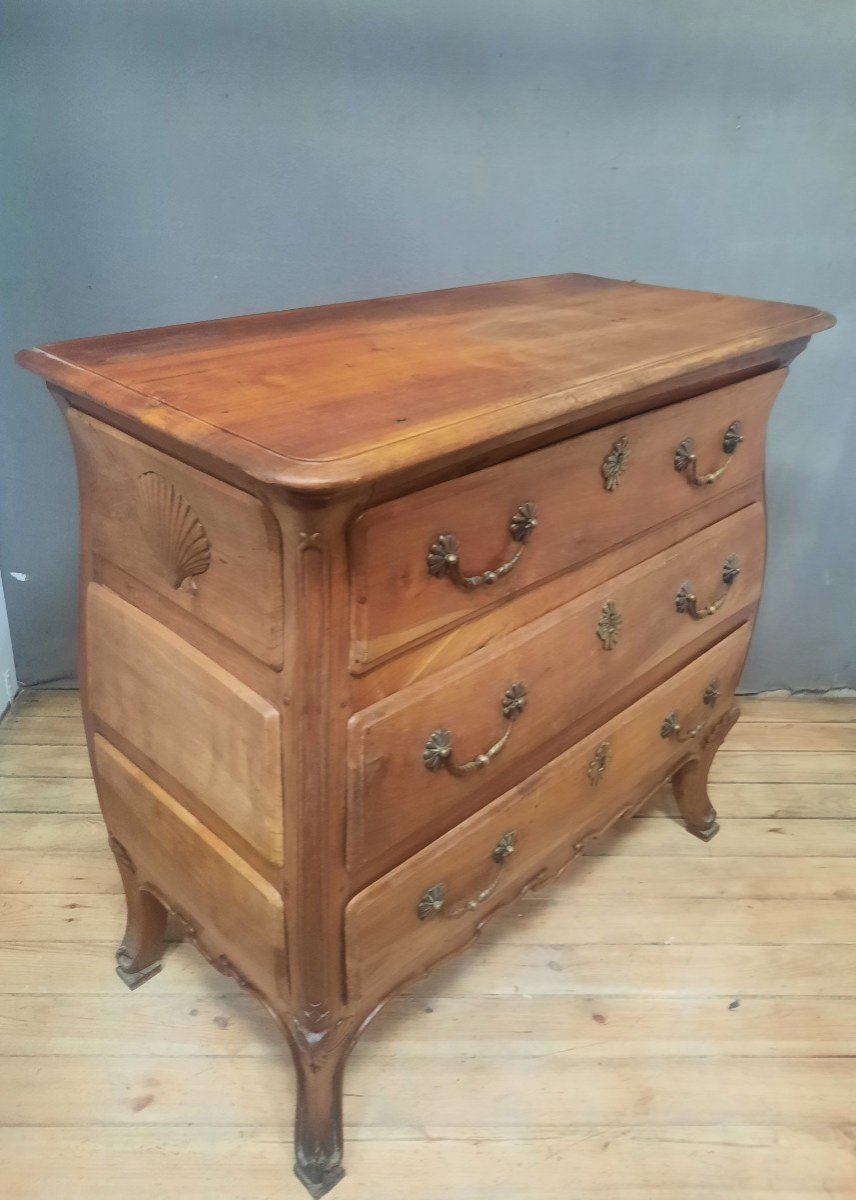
point(318, 1124)
point(139, 955)
point(689, 783)
point(690, 788)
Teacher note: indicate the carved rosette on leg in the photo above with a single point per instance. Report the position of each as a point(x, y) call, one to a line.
point(138, 958)
point(689, 782)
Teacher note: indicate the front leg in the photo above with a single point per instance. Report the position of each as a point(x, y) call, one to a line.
point(319, 1062)
point(139, 955)
point(689, 782)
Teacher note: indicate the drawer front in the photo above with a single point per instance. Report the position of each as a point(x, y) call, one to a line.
point(425, 757)
point(435, 902)
point(208, 548)
point(233, 909)
point(195, 722)
point(587, 494)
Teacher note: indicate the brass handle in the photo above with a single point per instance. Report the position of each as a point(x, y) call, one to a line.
point(433, 902)
point(687, 602)
point(686, 462)
point(672, 728)
point(437, 754)
point(444, 554)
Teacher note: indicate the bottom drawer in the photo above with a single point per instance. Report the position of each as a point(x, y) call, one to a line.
point(435, 902)
point(234, 910)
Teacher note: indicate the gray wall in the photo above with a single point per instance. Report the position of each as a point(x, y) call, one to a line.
point(169, 162)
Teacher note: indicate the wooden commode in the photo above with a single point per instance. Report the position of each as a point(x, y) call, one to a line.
point(387, 607)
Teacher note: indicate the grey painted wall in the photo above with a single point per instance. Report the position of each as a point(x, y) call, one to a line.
point(169, 162)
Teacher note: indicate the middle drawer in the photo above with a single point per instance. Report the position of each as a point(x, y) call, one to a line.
point(423, 759)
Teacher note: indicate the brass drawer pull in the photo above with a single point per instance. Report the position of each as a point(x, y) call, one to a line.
point(437, 754)
point(433, 903)
point(671, 727)
point(444, 555)
point(686, 601)
point(687, 463)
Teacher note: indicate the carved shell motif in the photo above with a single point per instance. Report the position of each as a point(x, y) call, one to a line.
point(173, 531)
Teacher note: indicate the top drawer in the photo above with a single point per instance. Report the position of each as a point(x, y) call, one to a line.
point(589, 493)
point(207, 547)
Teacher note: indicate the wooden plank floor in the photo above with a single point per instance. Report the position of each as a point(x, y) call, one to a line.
point(670, 1020)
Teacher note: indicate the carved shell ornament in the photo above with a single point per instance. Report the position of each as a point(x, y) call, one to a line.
point(173, 531)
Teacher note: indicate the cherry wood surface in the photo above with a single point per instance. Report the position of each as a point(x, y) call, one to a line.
point(234, 909)
point(344, 394)
point(417, 662)
point(395, 599)
point(184, 712)
point(254, 489)
point(242, 596)
point(551, 814)
point(393, 799)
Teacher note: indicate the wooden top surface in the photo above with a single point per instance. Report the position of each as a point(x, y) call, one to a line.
point(341, 395)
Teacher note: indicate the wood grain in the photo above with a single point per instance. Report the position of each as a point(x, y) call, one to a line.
point(690, 1161)
point(551, 815)
point(247, 487)
point(393, 798)
point(397, 601)
point(268, 393)
point(240, 591)
point(233, 910)
point(238, 1091)
point(179, 709)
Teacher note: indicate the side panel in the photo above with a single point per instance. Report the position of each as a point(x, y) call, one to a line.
point(208, 548)
point(199, 724)
point(231, 908)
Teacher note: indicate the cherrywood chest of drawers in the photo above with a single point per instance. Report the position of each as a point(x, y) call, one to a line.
point(387, 607)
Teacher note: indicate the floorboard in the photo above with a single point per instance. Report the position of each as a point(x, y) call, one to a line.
point(669, 1020)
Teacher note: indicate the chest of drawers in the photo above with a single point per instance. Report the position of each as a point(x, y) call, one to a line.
point(387, 607)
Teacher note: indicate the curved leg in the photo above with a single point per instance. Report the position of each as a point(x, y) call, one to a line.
point(690, 788)
point(320, 1073)
point(689, 783)
point(139, 956)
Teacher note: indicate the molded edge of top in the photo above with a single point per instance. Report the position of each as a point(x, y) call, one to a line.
point(196, 440)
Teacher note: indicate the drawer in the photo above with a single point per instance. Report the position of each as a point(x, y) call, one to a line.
point(234, 910)
point(422, 759)
point(396, 929)
point(588, 493)
point(210, 549)
point(191, 719)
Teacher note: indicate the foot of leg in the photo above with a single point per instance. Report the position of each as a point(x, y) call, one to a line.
point(139, 956)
